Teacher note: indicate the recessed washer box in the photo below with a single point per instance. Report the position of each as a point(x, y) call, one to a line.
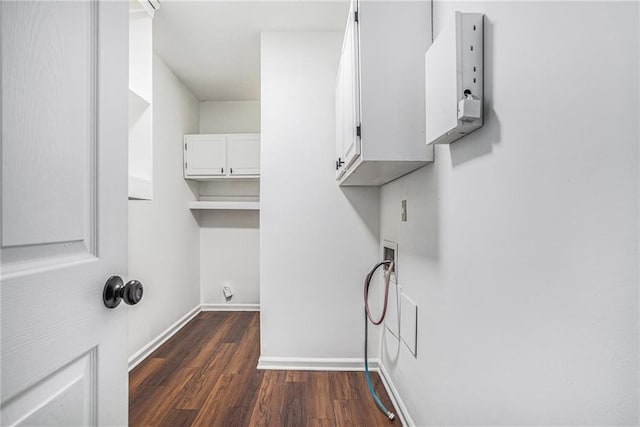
point(454, 80)
point(390, 252)
point(392, 319)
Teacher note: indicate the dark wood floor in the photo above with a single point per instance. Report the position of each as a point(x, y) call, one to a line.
point(206, 375)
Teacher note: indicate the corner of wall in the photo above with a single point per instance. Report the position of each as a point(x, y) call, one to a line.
point(163, 233)
point(310, 229)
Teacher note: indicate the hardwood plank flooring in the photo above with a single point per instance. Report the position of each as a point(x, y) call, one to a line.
point(206, 375)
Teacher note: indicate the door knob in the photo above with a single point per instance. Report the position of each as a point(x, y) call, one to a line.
point(115, 290)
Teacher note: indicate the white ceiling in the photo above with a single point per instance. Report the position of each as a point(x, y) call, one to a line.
point(214, 47)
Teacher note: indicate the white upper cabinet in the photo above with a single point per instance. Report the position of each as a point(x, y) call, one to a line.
point(221, 156)
point(380, 89)
point(347, 110)
point(205, 155)
point(243, 154)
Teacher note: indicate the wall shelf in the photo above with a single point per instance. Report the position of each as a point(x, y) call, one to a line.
point(225, 205)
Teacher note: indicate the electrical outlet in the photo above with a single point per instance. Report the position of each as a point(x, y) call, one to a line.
point(403, 210)
point(227, 292)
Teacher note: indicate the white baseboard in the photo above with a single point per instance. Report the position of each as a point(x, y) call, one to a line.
point(230, 307)
point(145, 351)
point(315, 364)
point(401, 408)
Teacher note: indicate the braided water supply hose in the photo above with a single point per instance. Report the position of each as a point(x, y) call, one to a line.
point(368, 316)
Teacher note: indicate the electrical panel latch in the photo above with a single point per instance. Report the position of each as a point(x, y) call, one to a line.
point(469, 108)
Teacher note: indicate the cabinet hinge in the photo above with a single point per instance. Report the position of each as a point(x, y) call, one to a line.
point(359, 131)
point(355, 16)
point(185, 165)
point(185, 147)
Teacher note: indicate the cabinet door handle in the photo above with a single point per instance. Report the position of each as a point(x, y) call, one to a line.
point(231, 171)
point(221, 170)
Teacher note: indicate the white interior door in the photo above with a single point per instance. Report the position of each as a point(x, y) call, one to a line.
point(205, 155)
point(64, 211)
point(243, 154)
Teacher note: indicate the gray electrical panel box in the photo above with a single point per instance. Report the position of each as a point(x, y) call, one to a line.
point(454, 80)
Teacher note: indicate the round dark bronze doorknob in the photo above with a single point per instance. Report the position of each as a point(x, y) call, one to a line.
point(132, 293)
point(115, 290)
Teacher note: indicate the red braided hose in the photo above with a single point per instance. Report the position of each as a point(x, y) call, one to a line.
point(367, 283)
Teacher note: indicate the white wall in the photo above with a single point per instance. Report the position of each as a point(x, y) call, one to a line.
point(521, 247)
point(316, 241)
point(163, 234)
point(230, 255)
point(230, 117)
point(229, 240)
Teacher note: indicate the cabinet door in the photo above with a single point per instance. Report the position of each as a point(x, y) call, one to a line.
point(204, 155)
point(350, 91)
point(243, 154)
point(339, 124)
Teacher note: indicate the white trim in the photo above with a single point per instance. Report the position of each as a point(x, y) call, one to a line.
point(315, 364)
point(392, 391)
point(230, 307)
point(145, 351)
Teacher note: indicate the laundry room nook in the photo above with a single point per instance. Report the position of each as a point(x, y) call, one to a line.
point(209, 243)
point(320, 213)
